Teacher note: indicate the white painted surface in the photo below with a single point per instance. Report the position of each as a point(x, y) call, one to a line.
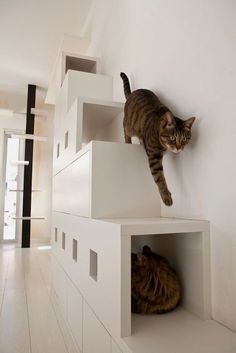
point(75, 314)
point(28, 58)
point(69, 44)
point(157, 225)
point(20, 163)
point(29, 137)
point(79, 186)
point(95, 337)
point(29, 322)
point(188, 251)
point(180, 332)
point(186, 52)
point(84, 84)
point(102, 238)
point(109, 183)
point(115, 348)
point(42, 176)
point(88, 119)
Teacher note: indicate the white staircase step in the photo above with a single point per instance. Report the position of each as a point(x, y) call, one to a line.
point(73, 48)
point(106, 180)
point(141, 226)
point(78, 62)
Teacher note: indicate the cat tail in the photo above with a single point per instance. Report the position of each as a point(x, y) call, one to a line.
point(126, 84)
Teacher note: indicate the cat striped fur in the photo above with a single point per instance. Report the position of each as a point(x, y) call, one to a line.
point(147, 118)
point(156, 288)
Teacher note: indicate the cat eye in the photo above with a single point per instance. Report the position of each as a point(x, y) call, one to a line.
point(172, 138)
point(184, 139)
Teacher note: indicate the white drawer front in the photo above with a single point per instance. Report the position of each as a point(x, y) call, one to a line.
point(75, 313)
point(95, 337)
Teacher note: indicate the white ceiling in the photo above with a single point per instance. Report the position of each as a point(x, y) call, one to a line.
point(30, 34)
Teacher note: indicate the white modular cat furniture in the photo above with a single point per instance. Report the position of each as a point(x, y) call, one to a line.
point(106, 205)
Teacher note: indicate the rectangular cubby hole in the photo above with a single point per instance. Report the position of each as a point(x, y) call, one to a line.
point(80, 64)
point(93, 269)
point(55, 235)
point(63, 240)
point(66, 139)
point(184, 251)
point(75, 249)
point(101, 123)
point(58, 150)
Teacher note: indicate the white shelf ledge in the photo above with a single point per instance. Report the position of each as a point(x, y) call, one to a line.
point(179, 331)
point(29, 137)
point(39, 113)
point(21, 190)
point(20, 163)
point(142, 226)
point(28, 218)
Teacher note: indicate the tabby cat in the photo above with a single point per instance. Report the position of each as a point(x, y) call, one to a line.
point(155, 286)
point(157, 129)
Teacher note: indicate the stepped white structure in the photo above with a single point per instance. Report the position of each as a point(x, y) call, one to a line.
point(106, 205)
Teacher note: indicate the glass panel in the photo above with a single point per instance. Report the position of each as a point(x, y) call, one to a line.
point(11, 182)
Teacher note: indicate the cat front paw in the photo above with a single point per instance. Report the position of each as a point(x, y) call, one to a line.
point(167, 199)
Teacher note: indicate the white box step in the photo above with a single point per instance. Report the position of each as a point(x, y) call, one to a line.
point(88, 119)
point(107, 180)
point(109, 279)
point(80, 84)
point(70, 57)
point(78, 62)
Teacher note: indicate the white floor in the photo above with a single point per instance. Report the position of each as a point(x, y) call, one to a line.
point(30, 321)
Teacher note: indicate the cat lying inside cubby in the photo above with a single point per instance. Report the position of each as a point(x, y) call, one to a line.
point(147, 118)
point(155, 286)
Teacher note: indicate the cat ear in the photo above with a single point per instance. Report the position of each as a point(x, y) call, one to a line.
point(188, 123)
point(146, 250)
point(169, 118)
point(141, 259)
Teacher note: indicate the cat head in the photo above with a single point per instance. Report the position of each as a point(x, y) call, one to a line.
point(175, 133)
point(143, 261)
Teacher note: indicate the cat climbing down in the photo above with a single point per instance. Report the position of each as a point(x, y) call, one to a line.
point(157, 129)
point(155, 285)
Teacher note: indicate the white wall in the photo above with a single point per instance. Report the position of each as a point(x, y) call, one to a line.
point(42, 178)
point(186, 50)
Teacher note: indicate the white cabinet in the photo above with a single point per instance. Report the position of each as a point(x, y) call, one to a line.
point(60, 282)
point(88, 119)
point(75, 313)
point(107, 205)
point(95, 337)
point(76, 84)
point(108, 180)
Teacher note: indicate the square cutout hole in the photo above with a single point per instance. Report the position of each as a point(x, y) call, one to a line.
point(93, 270)
point(63, 240)
point(75, 250)
point(66, 139)
point(55, 235)
point(58, 150)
